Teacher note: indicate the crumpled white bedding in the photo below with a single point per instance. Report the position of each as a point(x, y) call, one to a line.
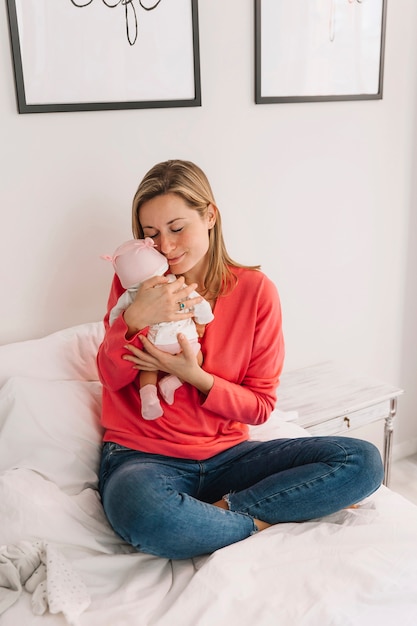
point(45, 573)
point(357, 567)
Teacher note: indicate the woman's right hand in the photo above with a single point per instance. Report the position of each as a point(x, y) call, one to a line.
point(157, 300)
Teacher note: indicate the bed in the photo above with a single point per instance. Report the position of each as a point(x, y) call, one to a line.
point(61, 563)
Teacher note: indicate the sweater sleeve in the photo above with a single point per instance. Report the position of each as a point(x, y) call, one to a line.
point(246, 388)
point(114, 372)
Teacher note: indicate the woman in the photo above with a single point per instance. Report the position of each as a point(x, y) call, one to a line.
point(190, 482)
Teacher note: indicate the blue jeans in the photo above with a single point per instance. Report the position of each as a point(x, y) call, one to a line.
point(162, 505)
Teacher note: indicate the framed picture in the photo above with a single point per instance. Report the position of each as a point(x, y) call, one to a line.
point(83, 55)
point(317, 50)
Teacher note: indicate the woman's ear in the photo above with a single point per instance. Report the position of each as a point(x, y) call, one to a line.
point(211, 215)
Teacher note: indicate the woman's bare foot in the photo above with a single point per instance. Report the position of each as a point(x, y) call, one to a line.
point(222, 504)
point(261, 525)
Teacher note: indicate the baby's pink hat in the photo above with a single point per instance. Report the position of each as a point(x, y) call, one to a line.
point(136, 260)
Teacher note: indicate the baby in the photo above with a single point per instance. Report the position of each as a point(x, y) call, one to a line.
point(135, 261)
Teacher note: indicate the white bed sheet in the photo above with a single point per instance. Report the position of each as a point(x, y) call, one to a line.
point(357, 567)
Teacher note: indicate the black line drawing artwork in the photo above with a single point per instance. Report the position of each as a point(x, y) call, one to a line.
point(143, 54)
point(131, 19)
point(326, 50)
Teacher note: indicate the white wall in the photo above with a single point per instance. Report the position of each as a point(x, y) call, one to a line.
point(321, 194)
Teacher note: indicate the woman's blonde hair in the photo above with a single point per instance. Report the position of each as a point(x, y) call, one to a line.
point(189, 182)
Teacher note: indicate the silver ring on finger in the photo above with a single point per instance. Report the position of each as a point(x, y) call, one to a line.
point(181, 306)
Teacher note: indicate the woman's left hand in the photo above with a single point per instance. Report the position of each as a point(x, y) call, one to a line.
point(184, 365)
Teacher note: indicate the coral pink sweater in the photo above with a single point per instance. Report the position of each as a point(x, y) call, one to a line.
point(243, 349)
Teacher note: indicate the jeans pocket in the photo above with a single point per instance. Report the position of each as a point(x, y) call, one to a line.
point(112, 455)
point(106, 454)
point(110, 448)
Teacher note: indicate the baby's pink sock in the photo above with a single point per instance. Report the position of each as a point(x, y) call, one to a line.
point(151, 408)
point(168, 386)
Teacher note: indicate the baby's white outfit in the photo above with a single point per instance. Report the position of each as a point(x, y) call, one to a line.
point(164, 335)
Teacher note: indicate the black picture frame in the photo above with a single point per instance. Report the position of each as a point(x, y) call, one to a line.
point(290, 67)
point(42, 87)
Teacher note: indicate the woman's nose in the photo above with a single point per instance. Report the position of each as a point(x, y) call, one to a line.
point(166, 244)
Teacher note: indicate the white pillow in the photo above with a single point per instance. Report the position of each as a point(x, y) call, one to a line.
point(52, 427)
point(68, 354)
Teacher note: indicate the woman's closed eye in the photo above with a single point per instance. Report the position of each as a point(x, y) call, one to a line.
point(172, 230)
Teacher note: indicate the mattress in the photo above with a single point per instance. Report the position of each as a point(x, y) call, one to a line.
point(355, 567)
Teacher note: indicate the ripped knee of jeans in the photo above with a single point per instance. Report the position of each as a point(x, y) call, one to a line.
point(226, 498)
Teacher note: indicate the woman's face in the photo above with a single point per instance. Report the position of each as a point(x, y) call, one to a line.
point(179, 233)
